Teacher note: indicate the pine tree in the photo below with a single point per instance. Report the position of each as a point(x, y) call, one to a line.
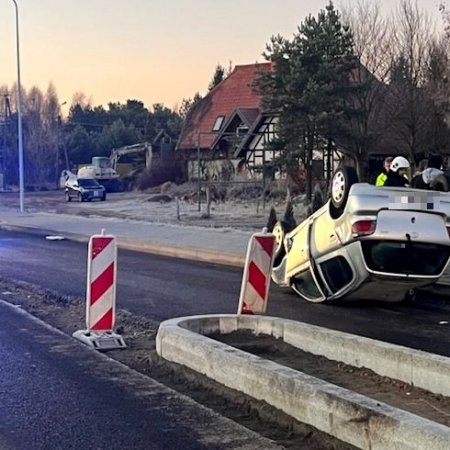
point(272, 220)
point(219, 75)
point(310, 87)
point(289, 219)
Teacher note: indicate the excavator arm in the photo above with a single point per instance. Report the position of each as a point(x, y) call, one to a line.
point(136, 149)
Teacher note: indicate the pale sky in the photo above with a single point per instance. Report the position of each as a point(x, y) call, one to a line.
point(150, 50)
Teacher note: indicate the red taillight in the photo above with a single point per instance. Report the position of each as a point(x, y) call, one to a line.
point(363, 227)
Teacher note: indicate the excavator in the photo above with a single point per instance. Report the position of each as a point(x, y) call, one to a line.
point(106, 170)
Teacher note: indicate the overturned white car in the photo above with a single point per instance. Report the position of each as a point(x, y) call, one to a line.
point(366, 242)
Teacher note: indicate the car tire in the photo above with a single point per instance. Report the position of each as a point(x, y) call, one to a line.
point(441, 183)
point(341, 182)
point(68, 198)
point(279, 231)
point(104, 197)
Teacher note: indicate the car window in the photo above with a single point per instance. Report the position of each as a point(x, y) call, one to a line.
point(305, 285)
point(85, 182)
point(405, 257)
point(337, 273)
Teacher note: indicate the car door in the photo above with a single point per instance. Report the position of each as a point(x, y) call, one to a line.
point(302, 272)
point(330, 260)
point(298, 251)
point(324, 237)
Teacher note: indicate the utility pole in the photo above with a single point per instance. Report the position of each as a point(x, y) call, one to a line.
point(19, 113)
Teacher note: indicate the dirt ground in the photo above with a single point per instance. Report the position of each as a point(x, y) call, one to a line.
point(67, 314)
point(244, 214)
point(364, 381)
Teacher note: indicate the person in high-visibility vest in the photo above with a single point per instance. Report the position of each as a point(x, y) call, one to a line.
point(397, 173)
point(381, 179)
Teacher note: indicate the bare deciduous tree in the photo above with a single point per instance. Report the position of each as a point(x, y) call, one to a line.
point(41, 137)
point(372, 35)
point(437, 89)
point(442, 92)
point(409, 107)
point(81, 99)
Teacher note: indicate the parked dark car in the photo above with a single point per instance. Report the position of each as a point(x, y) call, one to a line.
point(84, 190)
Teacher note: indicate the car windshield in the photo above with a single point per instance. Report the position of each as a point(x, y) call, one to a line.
point(405, 257)
point(88, 183)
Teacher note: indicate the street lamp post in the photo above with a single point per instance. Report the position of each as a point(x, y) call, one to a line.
point(19, 113)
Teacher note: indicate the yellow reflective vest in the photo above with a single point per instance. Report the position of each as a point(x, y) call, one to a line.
point(381, 179)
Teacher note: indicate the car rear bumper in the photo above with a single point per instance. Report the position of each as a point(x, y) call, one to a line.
point(93, 195)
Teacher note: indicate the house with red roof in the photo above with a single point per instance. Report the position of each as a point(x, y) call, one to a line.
point(216, 125)
point(227, 133)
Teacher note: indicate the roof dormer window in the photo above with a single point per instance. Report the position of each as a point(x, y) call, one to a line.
point(218, 123)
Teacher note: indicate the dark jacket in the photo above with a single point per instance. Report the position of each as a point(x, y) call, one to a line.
point(394, 179)
point(418, 183)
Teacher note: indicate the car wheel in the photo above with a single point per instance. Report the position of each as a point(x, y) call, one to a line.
point(343, 179)
point(104, 197)
point(441, 183)
point(68, 198)
point(279, 231)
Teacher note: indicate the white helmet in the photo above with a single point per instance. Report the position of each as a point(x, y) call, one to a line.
point(399, 162)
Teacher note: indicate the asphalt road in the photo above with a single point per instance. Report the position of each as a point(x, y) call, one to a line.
point(58, 394)
point(161, 288)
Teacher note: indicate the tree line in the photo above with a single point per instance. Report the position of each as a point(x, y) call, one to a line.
point(53, 143)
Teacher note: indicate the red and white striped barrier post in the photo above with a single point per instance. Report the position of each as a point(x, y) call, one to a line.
point(257, 273)
point(101, 294)
point(101, 283)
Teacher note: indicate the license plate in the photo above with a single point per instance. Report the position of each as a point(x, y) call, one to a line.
point(96, 193)
point(426, 201)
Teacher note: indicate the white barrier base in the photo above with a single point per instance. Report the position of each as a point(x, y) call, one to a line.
point(100, 341)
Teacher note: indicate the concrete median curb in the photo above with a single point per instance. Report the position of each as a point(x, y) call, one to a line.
point(418, 368)
point(348, 416)
point(192, 254)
